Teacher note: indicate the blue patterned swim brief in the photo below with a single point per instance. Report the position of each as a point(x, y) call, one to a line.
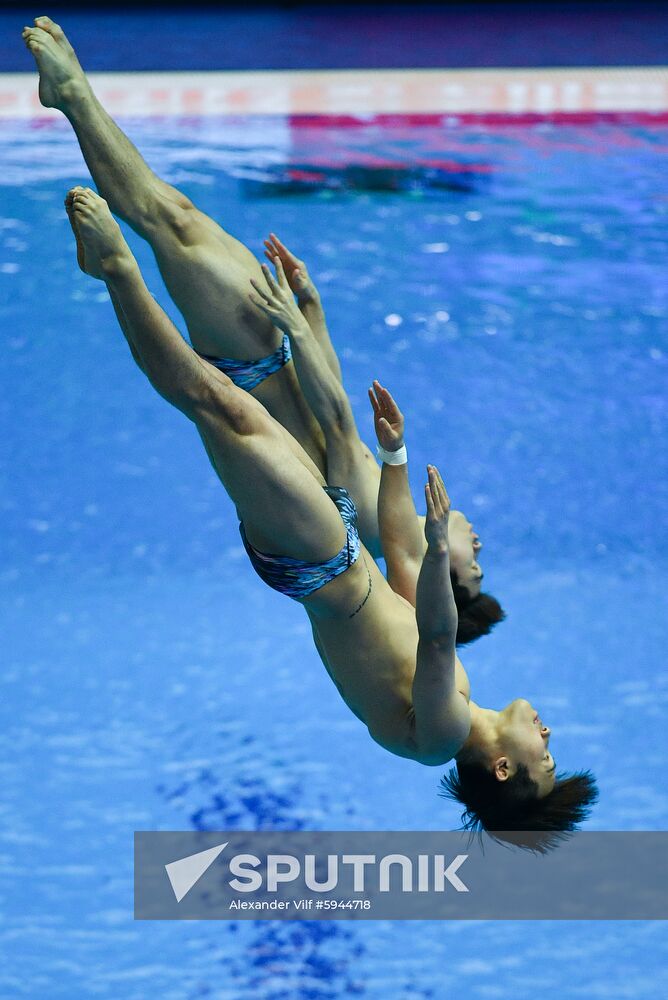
point(297, 578)
point(247, 374)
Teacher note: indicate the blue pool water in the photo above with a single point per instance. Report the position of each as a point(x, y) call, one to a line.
point(149, 680)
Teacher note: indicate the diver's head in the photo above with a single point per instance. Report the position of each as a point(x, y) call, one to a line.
point(464, 545)
point(504, 741)
point(521, 739)
point(506, 779)
point(478, 612)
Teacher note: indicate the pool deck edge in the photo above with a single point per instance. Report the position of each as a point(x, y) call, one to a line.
point(355, 94)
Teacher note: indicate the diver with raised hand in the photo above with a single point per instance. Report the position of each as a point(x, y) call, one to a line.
point(207, 274)
point(395, 666)
point(403, 544)
point(402, 535)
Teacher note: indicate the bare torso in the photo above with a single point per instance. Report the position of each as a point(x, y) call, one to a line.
point(371, 658)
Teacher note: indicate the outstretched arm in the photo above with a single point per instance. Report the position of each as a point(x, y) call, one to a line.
point(442, 717)
point(348, 463)
point(401, 536)
point(323, 391)
point(436, 611)
point(308, 297)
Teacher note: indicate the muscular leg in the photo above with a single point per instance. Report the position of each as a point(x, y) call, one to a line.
point(276, 488)
point(179, 234)
point(206, 270)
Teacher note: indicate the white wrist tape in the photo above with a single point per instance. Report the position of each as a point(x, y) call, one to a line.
point(398, 457)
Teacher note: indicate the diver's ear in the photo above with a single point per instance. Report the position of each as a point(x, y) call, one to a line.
point(501, 769)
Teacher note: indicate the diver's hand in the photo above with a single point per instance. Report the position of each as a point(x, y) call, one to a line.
point(276, 300)
point(387, 418)
point(295, 270)
point(438, 512)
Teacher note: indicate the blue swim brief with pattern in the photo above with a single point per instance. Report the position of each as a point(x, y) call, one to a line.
point(297, 578)
point(247, 374)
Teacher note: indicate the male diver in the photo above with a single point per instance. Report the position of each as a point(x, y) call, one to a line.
point(395, 665)
point(207, 272)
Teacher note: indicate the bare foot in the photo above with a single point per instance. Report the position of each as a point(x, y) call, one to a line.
point(60, 73)
point(101, 249)
point(69, 208)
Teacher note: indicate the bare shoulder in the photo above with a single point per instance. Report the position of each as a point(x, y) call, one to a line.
point(462, 682)
point(445, 736)
point(436, 748)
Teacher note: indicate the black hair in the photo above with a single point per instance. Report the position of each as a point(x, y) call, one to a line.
point(513, 807)
point(477, 615)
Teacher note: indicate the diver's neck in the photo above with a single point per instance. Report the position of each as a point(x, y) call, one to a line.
point(482, 716)
point(483, 732)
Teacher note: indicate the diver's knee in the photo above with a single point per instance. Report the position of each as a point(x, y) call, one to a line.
point(236, 409)
point(174, 212)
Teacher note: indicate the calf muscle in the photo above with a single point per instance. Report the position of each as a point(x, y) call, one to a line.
point(171, 365)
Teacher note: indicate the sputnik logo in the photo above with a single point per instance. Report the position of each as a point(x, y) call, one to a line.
point(184, 873)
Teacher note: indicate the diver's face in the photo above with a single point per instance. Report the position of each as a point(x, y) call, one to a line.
point(464, 546)
point(524, 739)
